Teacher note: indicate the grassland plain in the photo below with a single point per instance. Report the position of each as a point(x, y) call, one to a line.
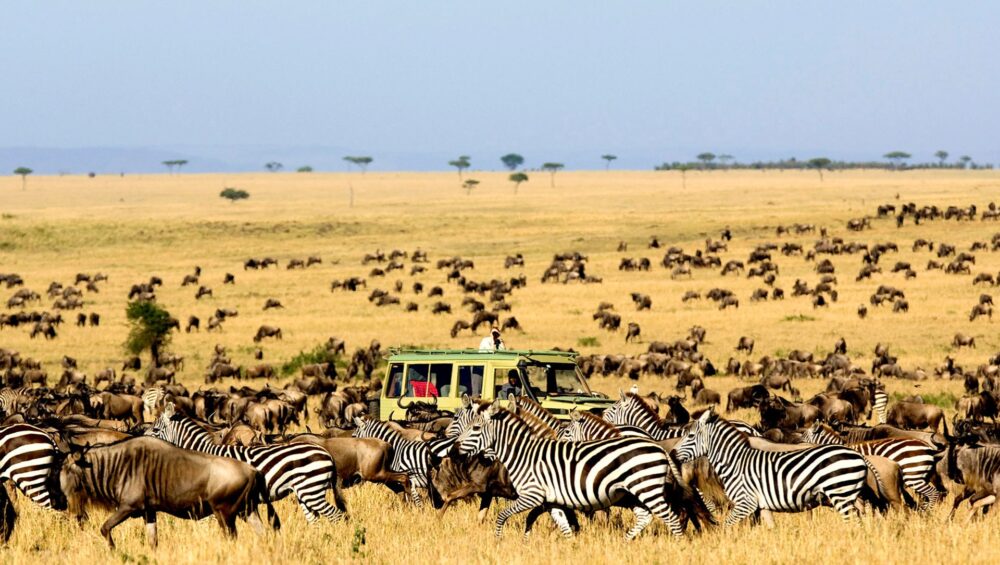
point(135, 226)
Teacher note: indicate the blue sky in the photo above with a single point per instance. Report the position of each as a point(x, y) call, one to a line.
point(412, 83)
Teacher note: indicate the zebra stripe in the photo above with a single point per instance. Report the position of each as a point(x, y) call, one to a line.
point(631, 412)
point(578, 475)
point(410, 457)
point(789, 481)
point(27, 455)
point(151, 399)
point(301, 468)
point(914, 457)
point(880, 405)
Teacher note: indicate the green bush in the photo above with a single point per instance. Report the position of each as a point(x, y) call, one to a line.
point(319, 354)
point(588, 341)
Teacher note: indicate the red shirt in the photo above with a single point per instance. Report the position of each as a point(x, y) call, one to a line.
point(423, 389)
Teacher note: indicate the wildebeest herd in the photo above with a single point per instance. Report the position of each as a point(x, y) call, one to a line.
point(136, 441)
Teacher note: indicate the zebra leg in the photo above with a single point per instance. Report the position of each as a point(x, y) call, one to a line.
point(642, 519)
point(930, 495)
point(415, 484)
point(526, 500)
point(151, 528)
point(845, 506)
point(559, 517)
point(315, 505)
point(768, 519)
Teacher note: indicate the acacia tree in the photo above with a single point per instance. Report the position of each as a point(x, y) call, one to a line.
point(965, 159)
point(725, 158)
point(897, 157)
point(304, 169)
point(178, 163)
point(273, 166)
point(23, 172)
point(819, 163)
point(469, 184)
point(461, 164)
point(942, 156)
point(361, 161)
point(234, 194)
point(149, 328)
point(512, 161)
point(517, 179)
point(608, 158)
point(552, 168)
point(706, 158)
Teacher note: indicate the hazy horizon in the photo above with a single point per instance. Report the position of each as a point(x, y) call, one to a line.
point(231, 85)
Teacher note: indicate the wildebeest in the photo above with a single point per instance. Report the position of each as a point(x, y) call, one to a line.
point(267, 331)
point(142, 476)
point(747, 397)
point(915, 415)
point(632, 332)
point(962, 340)
point(745, 344)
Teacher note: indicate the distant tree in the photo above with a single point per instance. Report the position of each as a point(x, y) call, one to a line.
point(149, 328)
point(897, 157)
point(234, 194)
point(819, 163)
point(725, 158)
point(942, 156)
point(273, 166)
point(24, 172)
point(362, 162)
point(175, 163)
point(512, 161)
point(552, 168)
point(461, 164)
point(469, 184)
point(517, 179)
point(683, 168)
point(706, 158)
point(304, 169)
point(965, 161)
point(608, 158)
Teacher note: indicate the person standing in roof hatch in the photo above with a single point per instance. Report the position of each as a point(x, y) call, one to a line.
point(492, 342)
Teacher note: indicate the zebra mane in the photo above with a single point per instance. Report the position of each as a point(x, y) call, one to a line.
point(595, 420)
point(527, 424)
point(639, 401)
point(827, 429)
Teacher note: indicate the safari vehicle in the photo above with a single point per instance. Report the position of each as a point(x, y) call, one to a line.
point(441, 377)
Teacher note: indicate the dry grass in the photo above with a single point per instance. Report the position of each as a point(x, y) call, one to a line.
point(136, 226)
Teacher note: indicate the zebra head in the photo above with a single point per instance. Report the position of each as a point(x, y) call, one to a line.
point(478, 436)
point(164, 427)
point(463, 417)
point(574, 430)
point(697, 441)
point(615, 412)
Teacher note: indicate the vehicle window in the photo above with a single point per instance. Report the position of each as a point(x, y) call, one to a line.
point(557, 379)
point(470, 380)
point(417, 383)
point(507, 382)
point(440, 378)
point(395, 386)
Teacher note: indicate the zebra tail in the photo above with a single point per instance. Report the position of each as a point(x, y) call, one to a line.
point(688, 503)
point(264, 497)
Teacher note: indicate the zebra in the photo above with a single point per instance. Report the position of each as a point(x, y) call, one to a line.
point(9, 400)
point(633, 412)
point(576, 475)
point(27, 457)
point(410, 457)
point(880, 404)
point(151, 398)
point(788, 481)
point(585, 426)
point(301, 468)
point(915, 458)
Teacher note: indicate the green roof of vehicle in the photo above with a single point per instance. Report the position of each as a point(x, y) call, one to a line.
point(456, 354)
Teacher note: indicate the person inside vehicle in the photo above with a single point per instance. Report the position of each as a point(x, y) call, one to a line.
point(513, 386)
point(492, 342)
point(419, 386)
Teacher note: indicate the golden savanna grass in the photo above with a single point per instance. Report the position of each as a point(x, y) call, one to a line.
point(135, 226)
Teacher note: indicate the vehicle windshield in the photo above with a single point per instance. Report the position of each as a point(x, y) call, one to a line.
point(556, 379)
